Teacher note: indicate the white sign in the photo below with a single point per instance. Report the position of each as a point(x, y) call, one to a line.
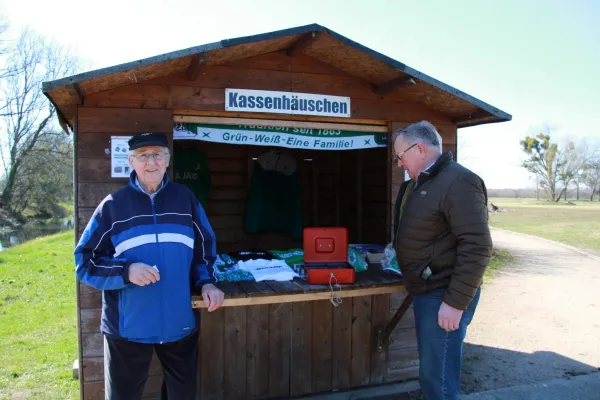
point(119, 150)
point(298, 138)
point(264, 101)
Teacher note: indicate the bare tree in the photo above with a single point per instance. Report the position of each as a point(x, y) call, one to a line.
point(569, 164)
point(590, 176)
point(3, 28)
point(462, 147)
point(3, 48)
point(27, 113)
point(541, 161)
point(46, 176)
point(551, 164)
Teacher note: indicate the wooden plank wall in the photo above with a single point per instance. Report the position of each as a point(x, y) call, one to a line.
point(273, 71)
point(374, 189)
point(293, 349)
point(403, 357)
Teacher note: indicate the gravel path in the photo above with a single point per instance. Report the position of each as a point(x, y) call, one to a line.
point(538, 318)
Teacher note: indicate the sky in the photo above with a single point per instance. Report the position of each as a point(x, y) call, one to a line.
point(537, 60)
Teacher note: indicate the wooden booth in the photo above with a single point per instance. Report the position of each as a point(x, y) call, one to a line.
point(327, 103)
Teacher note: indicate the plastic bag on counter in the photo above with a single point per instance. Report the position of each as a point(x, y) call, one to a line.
point(356, 261)
point(388, 261)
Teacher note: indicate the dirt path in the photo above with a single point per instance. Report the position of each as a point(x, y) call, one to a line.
point(538, 318)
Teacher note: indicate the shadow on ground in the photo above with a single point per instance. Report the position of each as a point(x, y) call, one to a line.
point(416, 395)
point(487, 368)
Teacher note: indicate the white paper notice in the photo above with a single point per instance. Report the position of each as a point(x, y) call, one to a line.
point(119, 166)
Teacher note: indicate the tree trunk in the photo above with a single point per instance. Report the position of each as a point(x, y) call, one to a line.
point(8, 189)
point(560, 194)
point(552, 191)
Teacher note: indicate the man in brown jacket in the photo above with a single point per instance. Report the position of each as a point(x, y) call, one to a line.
point(443, 246)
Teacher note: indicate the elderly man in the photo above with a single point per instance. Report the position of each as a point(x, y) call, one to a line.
point(443, 246)
point(145, 247)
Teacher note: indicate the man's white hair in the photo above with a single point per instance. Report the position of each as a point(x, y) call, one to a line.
point(421, 132)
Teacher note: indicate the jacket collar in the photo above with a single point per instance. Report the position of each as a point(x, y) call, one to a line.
point(435, 169)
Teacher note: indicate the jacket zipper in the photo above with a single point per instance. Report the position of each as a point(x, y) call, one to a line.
point(158, 253)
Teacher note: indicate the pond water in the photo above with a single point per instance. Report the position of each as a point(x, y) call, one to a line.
point(30, 231)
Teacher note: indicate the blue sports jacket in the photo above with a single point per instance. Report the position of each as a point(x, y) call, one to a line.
point(170, 231)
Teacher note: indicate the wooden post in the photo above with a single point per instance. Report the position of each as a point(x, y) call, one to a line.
point(338, 184)
point(76, 227)
point(389, 184)
point(315, 192)
point(359, 195)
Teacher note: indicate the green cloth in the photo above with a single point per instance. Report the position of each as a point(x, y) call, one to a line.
point(274, 203)
point(226, 270)
point(295, 259)
point(190, 168)
point(291, 257)
point(226, 267)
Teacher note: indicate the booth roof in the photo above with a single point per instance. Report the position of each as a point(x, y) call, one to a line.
point(385, 73)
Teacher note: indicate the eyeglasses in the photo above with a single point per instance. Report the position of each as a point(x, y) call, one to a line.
point(399, 156)
point(159, 156)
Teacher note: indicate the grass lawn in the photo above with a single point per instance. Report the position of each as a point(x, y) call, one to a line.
point(38, 323)
point(498, 260)
point(576, 224)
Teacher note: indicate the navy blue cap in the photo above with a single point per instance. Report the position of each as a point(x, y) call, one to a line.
point(148, 139)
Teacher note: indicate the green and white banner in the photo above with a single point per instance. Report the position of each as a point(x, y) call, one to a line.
point(296, 138)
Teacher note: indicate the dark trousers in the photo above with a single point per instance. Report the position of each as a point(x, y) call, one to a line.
point(126, 366)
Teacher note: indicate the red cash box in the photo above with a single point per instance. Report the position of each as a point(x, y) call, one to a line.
point(326, 256)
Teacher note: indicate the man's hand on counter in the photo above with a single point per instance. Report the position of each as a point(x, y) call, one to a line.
point(213, 297)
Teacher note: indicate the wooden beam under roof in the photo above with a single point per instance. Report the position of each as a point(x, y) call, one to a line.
point(75, 91)
point(196, 65)
point(471, 116)
point(304, 41)
point(64, 124)
point(394, 84)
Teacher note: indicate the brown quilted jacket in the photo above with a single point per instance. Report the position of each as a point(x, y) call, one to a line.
point(444, 226)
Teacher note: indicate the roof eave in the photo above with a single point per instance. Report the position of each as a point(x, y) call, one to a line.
point(48, 86)
point(481, 121)
point(500, 116)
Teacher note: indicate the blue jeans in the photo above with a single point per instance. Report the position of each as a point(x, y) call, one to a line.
point(440, 352)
